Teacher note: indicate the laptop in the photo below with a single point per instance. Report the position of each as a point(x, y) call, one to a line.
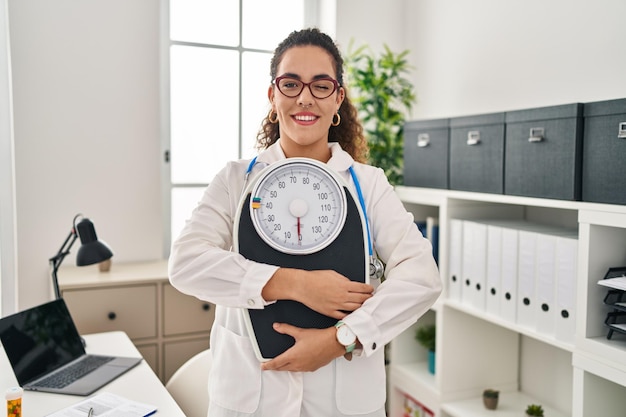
point(47, 353)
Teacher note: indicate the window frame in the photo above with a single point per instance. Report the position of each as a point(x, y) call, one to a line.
point(315, 13)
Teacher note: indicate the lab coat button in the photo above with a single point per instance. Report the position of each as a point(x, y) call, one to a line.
point(250, 302)
point(373, 346)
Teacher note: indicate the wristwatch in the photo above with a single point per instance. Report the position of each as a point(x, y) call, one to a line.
point(345, 336)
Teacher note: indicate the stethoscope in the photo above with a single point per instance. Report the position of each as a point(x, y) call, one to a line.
point(377, 268)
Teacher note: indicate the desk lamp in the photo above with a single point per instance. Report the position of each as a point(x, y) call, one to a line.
point(91, 251)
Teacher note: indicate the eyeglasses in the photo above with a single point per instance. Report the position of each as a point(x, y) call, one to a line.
point(292, 87)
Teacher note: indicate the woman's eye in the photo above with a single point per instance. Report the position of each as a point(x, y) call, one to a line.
point(324, 86)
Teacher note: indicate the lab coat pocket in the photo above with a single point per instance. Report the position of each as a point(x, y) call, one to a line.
point(361, 384)
point(235, 380)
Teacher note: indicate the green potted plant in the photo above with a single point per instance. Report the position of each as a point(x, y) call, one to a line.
point(534, 410)
point(490, 398)
point(426, 336)
point(384, 96)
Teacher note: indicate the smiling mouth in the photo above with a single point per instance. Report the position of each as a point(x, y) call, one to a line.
point(305, 118)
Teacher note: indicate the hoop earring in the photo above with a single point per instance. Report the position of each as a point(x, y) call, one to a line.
point(333, 123)
point(269, 117)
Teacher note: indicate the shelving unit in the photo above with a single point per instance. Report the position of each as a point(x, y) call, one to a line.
point(477, 349)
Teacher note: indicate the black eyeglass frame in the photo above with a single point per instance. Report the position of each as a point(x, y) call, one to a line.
point(277, 80)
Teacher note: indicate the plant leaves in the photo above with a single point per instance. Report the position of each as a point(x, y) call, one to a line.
point(383, 97)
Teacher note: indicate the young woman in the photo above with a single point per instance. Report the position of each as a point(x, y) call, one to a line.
point(311, 116)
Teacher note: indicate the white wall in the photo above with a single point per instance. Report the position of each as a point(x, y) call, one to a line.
point(8, 257)
point(485, 56)
point(86, 114)
point(371, 22)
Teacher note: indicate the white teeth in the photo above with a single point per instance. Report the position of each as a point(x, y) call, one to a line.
point(305, 118)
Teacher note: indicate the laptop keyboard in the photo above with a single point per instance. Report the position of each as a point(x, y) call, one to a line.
point(73, 372)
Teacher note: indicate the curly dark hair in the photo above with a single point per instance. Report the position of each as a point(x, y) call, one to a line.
point(349, 133)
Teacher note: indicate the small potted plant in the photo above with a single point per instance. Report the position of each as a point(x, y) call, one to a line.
point(534, 410)
point(490, 398)
point(426, 336)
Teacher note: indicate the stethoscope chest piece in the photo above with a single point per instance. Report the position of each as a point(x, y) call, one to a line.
point(297, 213)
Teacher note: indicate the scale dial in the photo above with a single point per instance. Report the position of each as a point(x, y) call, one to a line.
point(298, 206)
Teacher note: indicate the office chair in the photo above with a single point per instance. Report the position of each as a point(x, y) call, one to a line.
point(189, 385)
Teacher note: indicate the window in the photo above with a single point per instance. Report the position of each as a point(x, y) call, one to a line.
point(219, 56)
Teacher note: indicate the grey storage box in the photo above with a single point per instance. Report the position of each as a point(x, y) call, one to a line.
point(477, 153)
point(604, 152)
point(426, 153)
point(544, 152)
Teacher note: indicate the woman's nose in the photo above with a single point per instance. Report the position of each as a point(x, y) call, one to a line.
point(305, 99)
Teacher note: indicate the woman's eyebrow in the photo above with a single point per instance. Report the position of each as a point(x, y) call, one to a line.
point(296, 76)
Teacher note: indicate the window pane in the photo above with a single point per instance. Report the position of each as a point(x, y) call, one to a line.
point(205, 21)
point(266, 23)
point(255, 105)
point(184, 200)
point(204, 112)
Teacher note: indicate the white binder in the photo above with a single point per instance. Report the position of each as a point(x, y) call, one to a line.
point(494, 269)
point(467, 266)
point(479, 265)
point(474, 264)
point(526, 300)
point(508, 283)
point(566, 275)
point(545, 276)
point(455, 280)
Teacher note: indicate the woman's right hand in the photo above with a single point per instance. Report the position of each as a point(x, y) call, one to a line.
point(325, 291)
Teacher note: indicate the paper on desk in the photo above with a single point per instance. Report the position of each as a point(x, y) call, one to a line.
point(107, 405)
point(617, 283)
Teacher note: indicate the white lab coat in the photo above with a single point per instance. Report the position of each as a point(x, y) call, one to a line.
point(203, 265)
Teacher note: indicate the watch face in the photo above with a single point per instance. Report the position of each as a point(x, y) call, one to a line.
point(298, 206)
point(345, 335)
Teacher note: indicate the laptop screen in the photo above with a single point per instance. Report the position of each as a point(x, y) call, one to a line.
point(39, 340)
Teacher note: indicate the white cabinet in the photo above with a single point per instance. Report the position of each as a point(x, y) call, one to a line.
point(167, 327)
point(565, 364)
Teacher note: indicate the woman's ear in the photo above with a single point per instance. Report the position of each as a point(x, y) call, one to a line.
point(340, 97)
point(270, 94)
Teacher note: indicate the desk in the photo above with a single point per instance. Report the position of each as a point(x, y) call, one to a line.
point(138, 384)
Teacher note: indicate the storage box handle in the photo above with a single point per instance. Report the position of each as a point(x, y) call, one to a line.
point(423, 140)
point(536, 134)
point(622, 130)
point(473, 137)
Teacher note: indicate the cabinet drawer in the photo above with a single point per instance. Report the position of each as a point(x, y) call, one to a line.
point(185, 314)
point(131, 309)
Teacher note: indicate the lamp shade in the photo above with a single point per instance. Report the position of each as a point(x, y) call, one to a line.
point(91, 251)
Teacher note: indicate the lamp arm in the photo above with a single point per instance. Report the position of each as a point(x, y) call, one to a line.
point(57, 260)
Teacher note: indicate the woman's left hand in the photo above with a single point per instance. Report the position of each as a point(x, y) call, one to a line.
point(313, 349)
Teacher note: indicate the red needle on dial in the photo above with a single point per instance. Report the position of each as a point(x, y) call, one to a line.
point(298, 208)
point(299, 235)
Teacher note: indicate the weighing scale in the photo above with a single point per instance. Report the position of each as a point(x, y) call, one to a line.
point(297, 213)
